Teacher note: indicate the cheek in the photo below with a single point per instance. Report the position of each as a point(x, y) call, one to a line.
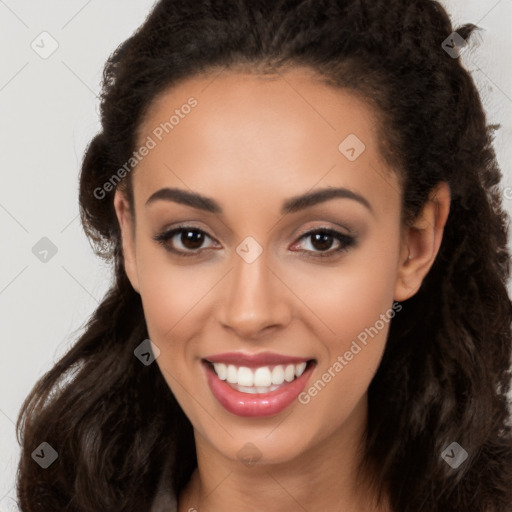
point(354, 303)
point(170, 291)
point(172, 299)
point(350, 295)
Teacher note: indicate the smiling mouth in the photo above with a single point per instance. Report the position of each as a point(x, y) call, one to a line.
point(261, 379)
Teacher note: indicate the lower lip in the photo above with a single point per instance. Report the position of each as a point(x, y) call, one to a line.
point(255, 405)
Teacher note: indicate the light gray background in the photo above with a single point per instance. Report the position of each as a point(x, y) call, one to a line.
point(48, 113)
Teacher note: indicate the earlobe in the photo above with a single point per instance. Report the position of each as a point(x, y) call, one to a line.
point(127, 229)
point(421, 243)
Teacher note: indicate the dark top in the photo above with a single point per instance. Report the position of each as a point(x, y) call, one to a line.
point(165, 500)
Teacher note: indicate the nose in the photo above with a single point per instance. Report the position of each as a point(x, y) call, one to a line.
point(256, 301)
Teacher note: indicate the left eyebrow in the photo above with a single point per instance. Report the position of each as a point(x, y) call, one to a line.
point(291, 205)
point(307, 200)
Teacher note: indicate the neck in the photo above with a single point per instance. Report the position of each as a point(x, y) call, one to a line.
point(322, 478)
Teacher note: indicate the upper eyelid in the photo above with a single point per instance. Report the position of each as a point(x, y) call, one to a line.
point(173, 231)
point(339, 229)
point(186, 225)
point(303, 232)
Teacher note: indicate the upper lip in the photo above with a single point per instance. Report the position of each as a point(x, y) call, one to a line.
point(255, 360)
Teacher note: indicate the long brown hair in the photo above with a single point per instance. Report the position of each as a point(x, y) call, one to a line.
point(445, 373)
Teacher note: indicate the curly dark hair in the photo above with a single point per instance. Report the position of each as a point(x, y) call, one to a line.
point(445, 373)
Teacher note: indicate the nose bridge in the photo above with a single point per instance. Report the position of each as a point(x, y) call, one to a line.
point(255, 299)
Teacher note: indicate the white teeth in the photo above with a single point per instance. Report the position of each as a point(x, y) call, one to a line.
point(232, 374)
point(262, 377)
point(289, 373)
point(299, 369)
point(255, 390)
point(278, 374)
point(258, 380)
point(221, 370)
point(245, 376)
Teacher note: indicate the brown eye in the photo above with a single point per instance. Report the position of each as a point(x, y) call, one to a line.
point(183, 240)
point(192, 238)
point(321, 240)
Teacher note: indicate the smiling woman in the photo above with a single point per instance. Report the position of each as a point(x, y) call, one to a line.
point(309, 309)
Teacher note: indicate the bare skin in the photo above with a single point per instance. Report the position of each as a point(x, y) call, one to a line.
point(250, 144)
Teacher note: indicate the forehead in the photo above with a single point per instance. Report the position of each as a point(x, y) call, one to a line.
point(283, 133)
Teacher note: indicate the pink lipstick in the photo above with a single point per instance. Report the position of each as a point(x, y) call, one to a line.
point(256, 385)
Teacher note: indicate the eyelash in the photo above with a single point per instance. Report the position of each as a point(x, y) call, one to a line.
point(345, 241)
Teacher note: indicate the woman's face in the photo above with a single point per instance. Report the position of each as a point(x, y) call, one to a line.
point(258, 271)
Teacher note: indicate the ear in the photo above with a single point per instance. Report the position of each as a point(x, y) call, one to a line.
point(421, 241)
point(127, 227)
